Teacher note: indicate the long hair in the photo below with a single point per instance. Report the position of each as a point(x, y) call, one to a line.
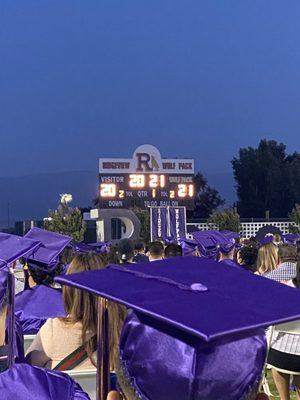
point(267, 259)
point(81, 306)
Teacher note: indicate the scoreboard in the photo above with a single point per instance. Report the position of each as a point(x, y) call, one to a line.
point(146, 180)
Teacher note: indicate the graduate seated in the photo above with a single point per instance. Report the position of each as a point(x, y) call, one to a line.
point(189, 334)
point(155, 251)
point(69, 342)
point(173, 250)
point(41, 300)
point(22, 381)
point(125, 251)
point(139, 252)
point(247, 257)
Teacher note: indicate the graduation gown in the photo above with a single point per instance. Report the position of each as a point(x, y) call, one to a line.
point(24, 382)
point(34, 306)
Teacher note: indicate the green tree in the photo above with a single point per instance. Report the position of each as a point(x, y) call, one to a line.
point(144, 217)
point(67, 221)
point(295, 218)
point(267, 180)
point(207, 199)
point(227, 219)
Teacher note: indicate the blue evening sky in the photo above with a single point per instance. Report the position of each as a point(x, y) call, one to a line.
point(197, 78)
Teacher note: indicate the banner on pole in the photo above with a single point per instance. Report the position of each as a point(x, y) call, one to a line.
point(168, 223)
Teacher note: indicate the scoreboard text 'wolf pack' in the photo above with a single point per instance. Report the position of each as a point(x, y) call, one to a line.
point(146, 180)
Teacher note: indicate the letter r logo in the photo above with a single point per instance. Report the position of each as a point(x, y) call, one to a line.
point(143, 162)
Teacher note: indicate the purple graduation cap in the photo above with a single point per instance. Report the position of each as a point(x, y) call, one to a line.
point(266, 240)
point(22, 381)
point(99, 247)
point(34, 306)
point(11, 249)
point(189, 246)
point(53, 243)
point(231, 234)
point(291, 238)
point(206, 243)
point(212, 241)
point(195, 330)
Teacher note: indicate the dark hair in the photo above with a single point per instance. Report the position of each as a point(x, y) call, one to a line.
point(139, 245)
point(156, 249)
point(287, 252)
point(125, 250)
point(160, 240)
point(43, 277)
point(248, 255)
point(173, 250)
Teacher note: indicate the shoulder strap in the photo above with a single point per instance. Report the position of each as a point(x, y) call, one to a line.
point(73, 359)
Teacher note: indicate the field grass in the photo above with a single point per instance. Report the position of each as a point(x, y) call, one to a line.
point(274, 391)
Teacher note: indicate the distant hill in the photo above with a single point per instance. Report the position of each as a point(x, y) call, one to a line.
point(30, 197)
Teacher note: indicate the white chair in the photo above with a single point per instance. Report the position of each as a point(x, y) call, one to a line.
point(28, 339)
point(86, 379)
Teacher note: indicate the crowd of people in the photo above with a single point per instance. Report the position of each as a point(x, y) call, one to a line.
point(64, 319)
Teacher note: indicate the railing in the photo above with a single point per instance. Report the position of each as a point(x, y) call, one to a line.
point(248, 228)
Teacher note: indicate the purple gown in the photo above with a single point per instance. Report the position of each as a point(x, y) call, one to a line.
point(24, 382)
point(34, 306)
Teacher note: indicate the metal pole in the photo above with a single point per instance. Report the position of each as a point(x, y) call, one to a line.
point(8, 215)
point(11, 313)
point(103, 368)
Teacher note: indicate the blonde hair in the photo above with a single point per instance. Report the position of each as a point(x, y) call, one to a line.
point(81, 306)
point(267, 259)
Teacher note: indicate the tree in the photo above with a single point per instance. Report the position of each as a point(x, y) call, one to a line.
point(144, 217)
point(207, 199)
point(267, 180)
point(228, 219)
point(66, 220)
point(295, 218)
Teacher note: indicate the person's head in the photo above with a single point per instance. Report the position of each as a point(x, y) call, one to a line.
point(226, 255)
point(125, 251)
point(139, 247)
point(41, 276)
point(247, 256)
point(155, 251)
point(81, 306)
point(173, 250)
point(277, 239)
point(267, 259)
point(287, 253)
point(160, 240)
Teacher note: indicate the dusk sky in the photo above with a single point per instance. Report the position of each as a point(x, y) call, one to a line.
point(85, 79)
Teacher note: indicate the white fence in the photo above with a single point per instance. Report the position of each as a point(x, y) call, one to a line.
point(248, 228)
